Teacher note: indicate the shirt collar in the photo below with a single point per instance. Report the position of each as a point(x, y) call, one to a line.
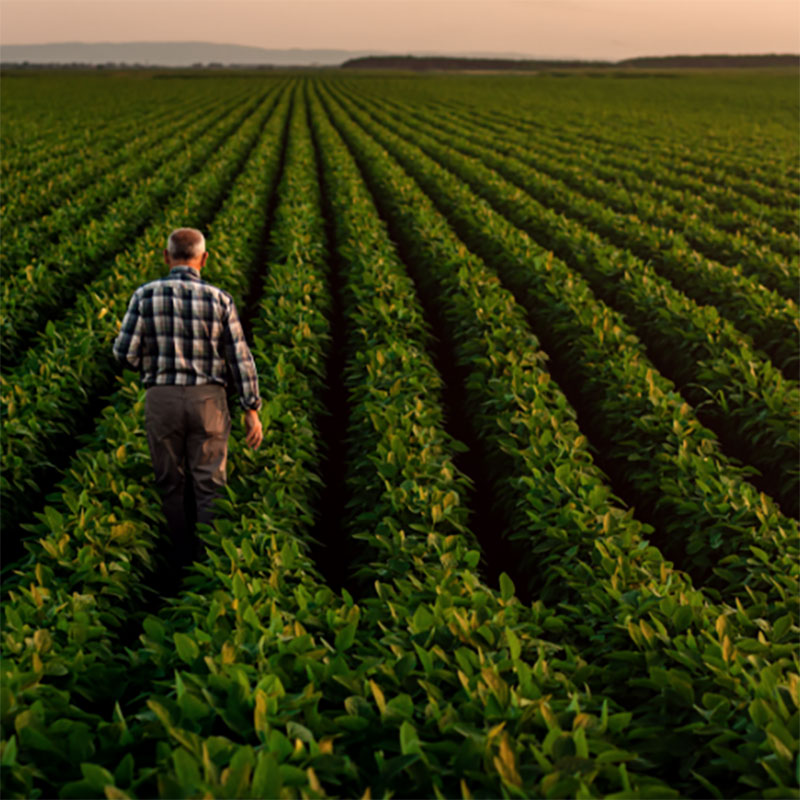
point(185, 269)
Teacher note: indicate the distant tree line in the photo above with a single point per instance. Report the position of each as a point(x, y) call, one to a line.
point(448, 63)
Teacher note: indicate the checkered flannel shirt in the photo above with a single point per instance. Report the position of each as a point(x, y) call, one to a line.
point(180, 330)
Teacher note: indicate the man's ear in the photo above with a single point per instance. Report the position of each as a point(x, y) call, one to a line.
point(204, 259)
point(166, 256)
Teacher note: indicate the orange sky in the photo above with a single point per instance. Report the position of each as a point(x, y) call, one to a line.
point(574, 28)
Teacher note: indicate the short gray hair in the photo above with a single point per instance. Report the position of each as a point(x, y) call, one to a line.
point(186, 243)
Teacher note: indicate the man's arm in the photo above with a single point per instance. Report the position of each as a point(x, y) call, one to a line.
point(240, 360)
point(128, 344)
point(243, 368)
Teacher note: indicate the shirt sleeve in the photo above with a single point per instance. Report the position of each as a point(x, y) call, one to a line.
point(128, 344)
point(240, 361)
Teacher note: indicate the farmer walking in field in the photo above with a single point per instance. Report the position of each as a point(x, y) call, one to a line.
point(184, 336)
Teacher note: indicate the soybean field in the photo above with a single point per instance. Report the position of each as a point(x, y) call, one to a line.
point(524, 520)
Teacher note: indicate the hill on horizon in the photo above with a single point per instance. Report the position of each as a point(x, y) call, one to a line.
point(172, 54)
point(446, 63)
point(185, 54)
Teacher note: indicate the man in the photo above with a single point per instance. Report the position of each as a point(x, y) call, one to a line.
point(181, 333)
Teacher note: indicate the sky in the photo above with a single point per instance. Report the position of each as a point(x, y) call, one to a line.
point(602, 29)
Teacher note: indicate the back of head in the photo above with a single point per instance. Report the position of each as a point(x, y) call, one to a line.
point(186, 244)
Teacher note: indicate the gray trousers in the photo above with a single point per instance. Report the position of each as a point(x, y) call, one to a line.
point(187, 430)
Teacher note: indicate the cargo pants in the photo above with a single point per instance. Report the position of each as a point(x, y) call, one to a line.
point(187, 431)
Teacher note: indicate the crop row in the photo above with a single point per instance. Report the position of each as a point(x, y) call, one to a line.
point(635, 411)
point(733, 237)
point(666, 249)
point(67, 620)
point(81, 185)
point(38, 148)
point(70, 363)
point(691, 167)
point(32, 191)
point(648, 164)
point(769, 318)
point(38, 183)
point(482, 654)
point(34, 292)
point(66, 120)
point(26, 241)
point(747, 401)
point(622, 607)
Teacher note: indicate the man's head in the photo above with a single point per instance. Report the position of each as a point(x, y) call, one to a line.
point(186, 246)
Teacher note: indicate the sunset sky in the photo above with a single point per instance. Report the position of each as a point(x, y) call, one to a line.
point(610, 29)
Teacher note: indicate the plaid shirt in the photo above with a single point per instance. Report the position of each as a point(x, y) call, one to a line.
point(180, 330)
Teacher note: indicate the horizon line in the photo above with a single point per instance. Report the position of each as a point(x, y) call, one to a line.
point(395, 53)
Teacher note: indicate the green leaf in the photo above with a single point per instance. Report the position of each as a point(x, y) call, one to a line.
point(9, 757)
point(288, 555)
point(54, 519)
point(230, 550)
point(409, 740)
point(422, 619)
point(781, 626)
point(581, 746)
point(97, 776)
point(154, 628)
point(759, 712)
point(464, 659)
point(123, 774)
point(294, 730)
point(238, 771)
point(187, 770)
point(399, 707)
point(682, 618)
point(472, 558)
point(425, 659)
point(187, 647)
point(292, 776)
point(614, 756)
point(266, 778)
point(506, 587)
point(126, 500)
point(345, 637)
point(251, 618)
point(239, 587)
point(279, 745)
point(514, 646)
point(563, 475)
point(597, 496)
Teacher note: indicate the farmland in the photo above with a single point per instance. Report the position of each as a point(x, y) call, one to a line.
point(524, 519)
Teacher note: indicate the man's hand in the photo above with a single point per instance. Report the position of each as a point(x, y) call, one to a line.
point(253, 432)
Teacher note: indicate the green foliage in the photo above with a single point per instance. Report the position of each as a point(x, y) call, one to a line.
point(623, 676)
